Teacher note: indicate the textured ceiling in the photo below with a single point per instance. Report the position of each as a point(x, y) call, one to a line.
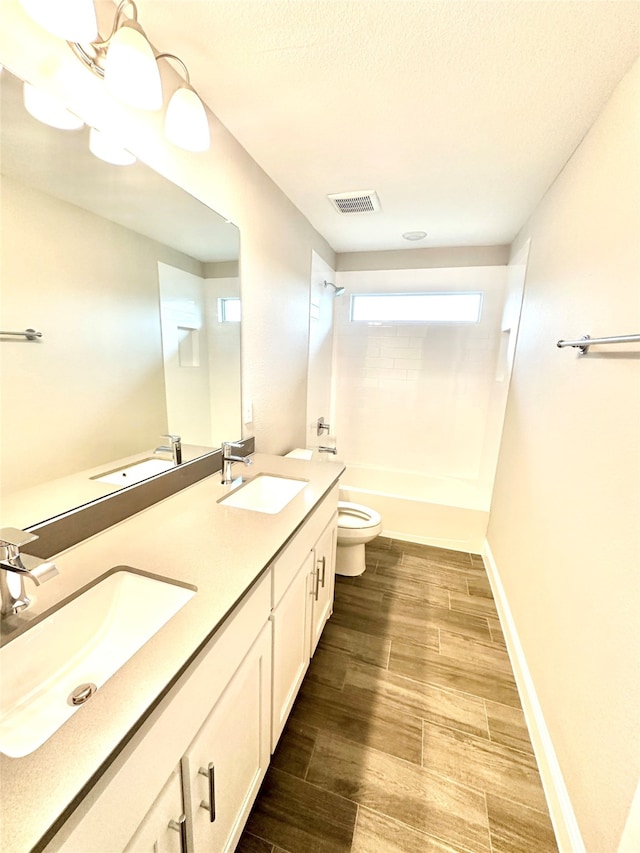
point(458, 113)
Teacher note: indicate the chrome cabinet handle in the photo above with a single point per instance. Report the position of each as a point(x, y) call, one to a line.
point(317, 589)
point(324, 570)
point(210, 773)
point(180, 826)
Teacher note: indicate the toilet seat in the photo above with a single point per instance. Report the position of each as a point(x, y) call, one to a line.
point(356, 516)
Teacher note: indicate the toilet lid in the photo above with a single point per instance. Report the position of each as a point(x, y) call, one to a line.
point(356, 515)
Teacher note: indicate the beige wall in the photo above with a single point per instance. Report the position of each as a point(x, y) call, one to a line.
point(565, 520)
point(276, 241)
point(429, 258)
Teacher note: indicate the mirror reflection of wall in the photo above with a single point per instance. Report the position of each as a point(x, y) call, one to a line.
point(81, 246)
point(201, 352)
point(92, 389)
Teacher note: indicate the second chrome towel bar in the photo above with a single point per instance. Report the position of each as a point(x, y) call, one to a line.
point(587, 341)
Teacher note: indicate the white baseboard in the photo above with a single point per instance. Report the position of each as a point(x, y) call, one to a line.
point(563, 818)
point(467, 546)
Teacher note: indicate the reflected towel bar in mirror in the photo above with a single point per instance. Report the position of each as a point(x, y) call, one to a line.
point(29, 334)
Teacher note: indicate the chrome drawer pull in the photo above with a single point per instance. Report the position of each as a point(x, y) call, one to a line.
point(180, 826)
point(210, 773)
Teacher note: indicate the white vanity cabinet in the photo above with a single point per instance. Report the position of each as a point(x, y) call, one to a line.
point(219, 713)
point(303, 587)
point(187, 779)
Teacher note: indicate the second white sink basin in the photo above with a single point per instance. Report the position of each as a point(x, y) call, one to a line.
point(264, 493)
point(135, 473)
point(55, 666)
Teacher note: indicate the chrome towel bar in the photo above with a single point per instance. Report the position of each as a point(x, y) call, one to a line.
point(587, 341)
point(29, 334)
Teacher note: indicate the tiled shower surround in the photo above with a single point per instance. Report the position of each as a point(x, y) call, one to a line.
point(421, 397)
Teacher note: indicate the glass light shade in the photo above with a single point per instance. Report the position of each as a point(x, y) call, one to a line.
point(131, 72)
point(48, 109)
point(72, 20)
point(186, 123)
point(107, 149)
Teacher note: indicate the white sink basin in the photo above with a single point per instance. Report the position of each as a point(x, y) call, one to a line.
point(136, 472)
point(264, 493)
point(84, 642)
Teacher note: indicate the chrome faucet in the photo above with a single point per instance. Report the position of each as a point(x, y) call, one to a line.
point(228, 460)
point(175, 448)
point(323, 449)
point(16, 566)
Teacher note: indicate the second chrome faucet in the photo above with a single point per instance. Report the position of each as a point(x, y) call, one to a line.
point(228, 459)
point(175, 448)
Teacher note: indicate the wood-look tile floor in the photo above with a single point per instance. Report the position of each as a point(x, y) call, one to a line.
point(407, 735)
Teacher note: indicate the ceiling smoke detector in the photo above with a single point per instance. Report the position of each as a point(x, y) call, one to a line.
point(361, 201)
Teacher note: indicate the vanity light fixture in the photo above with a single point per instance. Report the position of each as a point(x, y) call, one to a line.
point(48, 109)
point(72, 20)
point(106, 148)
point(185, 122)
point(127, 63)
point(131, 72)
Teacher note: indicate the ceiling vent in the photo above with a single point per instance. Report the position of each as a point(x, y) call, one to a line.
point(361, 201)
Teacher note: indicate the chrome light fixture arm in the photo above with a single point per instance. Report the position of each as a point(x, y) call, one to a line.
point(100, 46)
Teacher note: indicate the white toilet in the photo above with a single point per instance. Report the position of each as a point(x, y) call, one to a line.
point(357, 525)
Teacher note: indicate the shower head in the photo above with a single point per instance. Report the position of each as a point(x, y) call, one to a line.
point(338, 290)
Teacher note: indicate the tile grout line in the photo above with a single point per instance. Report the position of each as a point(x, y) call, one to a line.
point(486, 719)
point(411, 764)
point(355, 826)
point(486, 808)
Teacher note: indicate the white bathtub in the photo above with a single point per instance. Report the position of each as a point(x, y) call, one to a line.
point(449, 513)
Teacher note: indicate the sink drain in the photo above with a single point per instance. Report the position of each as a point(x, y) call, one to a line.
point(83, 692)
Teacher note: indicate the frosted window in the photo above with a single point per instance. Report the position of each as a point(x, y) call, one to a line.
point(416, 307)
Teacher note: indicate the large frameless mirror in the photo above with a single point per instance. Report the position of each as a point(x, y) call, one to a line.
point(134, 288)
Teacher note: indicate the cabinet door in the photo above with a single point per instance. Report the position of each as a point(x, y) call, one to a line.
point(323, 582)
point(290, 620)
point(162, 830)
point(227, 760)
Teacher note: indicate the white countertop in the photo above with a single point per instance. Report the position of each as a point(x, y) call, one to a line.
point(188, 537)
